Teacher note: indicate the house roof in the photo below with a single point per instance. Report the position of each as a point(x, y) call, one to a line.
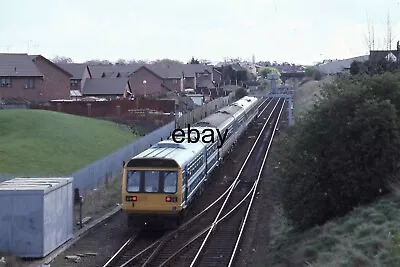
point(176, 71)
point(339, 65)
point(231, 87)
point(105, 86)
point(203, 82)
point(164, 71)
point(234, 66)
point(97, 71)
point(76, 69)
point(34, 57)
point(75, 93)
point(18, 65)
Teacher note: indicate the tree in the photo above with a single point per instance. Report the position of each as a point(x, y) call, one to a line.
point(341, 153)
point(374, 67)
point(133, 61)
point(121, 62)
point(167, 61)
point(370, 38)
point(309, 71)
point(313, 72)
point(264, 71)
point(58, 59)
point(98, 62)
point(389, 37)
point(240, 93)
point(355, 67)
point(194, 61)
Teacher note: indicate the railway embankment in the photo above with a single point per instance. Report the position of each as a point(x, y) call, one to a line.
point(366, 231)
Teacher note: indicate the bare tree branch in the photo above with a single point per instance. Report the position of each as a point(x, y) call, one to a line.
point(370, 36)
point(389, 37)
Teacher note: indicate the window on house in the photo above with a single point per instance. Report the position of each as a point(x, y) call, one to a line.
point(74, 83)
point(29, 83)
point(175, 80)
point(5, 82)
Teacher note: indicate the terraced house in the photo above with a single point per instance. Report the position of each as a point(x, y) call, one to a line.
point(32, 78)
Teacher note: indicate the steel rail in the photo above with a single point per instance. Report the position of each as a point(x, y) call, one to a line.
point(121, 250)
point(185, 225)
point(234, 184)
point(231, 190)
point(259, 114)
point(207, 228)
point(255, 189)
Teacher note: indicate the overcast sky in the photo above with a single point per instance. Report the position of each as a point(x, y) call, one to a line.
point(275, 30)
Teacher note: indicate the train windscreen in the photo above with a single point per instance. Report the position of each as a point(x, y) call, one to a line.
point(151, 181)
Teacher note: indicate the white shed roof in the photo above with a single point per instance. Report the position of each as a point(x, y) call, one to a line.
point(34, 184)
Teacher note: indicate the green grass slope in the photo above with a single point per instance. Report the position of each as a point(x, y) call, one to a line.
point(306, 94)
point(368, 236)
point(38, 142)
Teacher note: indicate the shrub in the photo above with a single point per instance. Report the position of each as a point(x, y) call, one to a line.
point(240, 93)
point(342, 152)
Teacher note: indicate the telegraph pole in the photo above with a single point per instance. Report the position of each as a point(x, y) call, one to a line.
point(290, 110)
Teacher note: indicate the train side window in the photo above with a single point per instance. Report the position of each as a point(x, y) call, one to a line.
point(133, 181)
point(151, 181)
point(170, 182)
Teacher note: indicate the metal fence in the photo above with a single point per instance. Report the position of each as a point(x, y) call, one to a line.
point(93, 174)
point(203, 111)
point(13, 106)
point(90, 176)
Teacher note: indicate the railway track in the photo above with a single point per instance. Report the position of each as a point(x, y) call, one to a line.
point(220, 245)
point(179, 246)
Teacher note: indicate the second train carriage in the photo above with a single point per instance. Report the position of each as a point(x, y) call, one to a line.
point(161, 182)
point(210, 142)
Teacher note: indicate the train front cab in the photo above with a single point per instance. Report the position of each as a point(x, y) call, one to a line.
point(151, 192)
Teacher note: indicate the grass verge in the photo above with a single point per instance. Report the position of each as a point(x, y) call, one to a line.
point(44, 143)
point(100, 201)
point(306, 94)
point(368, 236)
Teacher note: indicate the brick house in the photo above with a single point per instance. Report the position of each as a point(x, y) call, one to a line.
point(145, 79)
point(33, 78)
point(156, 79)
point(80, 72)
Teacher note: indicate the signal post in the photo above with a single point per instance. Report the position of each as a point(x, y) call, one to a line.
point(281, 91)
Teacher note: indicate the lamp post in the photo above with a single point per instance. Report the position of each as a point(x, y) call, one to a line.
point(144, 83)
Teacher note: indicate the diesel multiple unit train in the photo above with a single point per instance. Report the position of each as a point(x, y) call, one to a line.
point(160, 183)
